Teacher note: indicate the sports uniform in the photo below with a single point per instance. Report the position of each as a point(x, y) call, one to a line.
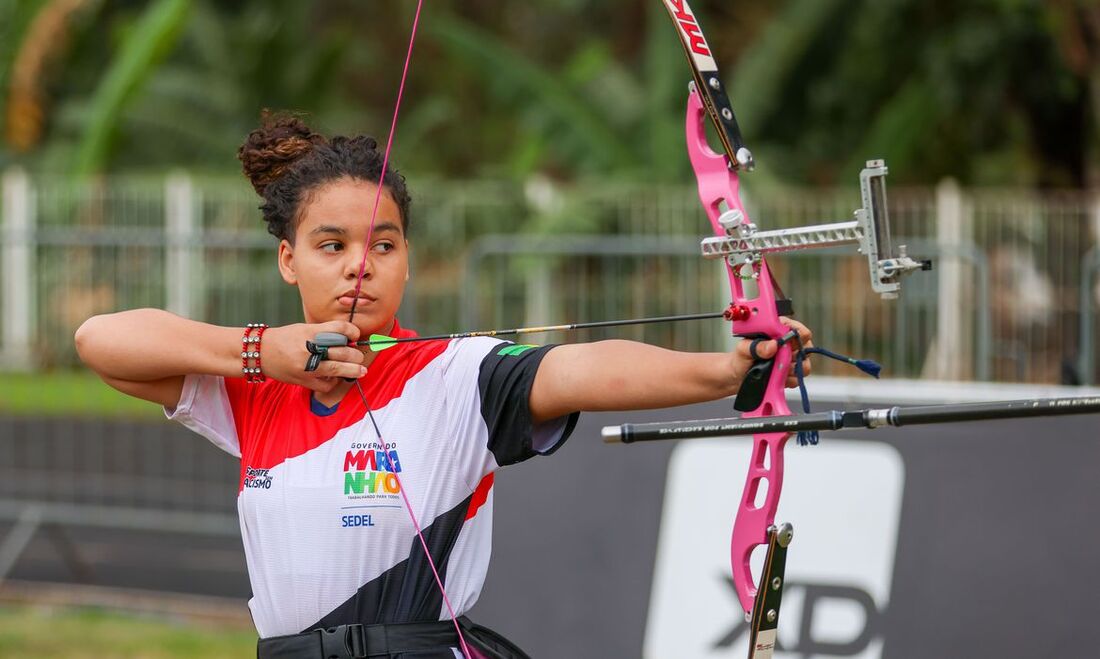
point(326, 535)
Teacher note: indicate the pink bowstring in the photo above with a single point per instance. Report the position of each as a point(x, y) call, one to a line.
point(386, 158)
point(355, 299)
point(419, 533)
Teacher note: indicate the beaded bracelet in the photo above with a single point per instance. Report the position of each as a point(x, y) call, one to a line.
point(250, 349)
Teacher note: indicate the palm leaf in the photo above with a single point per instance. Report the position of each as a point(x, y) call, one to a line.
point(532, 85)
point(771, 62)
point(150, 39)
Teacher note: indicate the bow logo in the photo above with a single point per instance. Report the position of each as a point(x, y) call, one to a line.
point(693, 34)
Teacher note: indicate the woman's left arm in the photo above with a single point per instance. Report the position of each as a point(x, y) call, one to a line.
point(626, 375)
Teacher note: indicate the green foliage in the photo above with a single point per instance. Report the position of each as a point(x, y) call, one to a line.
point(554, 103)
point(144, 45)
point(15, 16)
point(986, 91)
point(976, 90)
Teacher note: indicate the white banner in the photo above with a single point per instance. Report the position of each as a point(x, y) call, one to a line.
point(844, 500)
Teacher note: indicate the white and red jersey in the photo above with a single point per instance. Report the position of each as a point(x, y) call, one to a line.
point(326, 535)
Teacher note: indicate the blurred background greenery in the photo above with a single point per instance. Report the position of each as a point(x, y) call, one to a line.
point(1003, 92)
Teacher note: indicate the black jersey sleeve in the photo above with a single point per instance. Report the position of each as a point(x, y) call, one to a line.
point(504, 382)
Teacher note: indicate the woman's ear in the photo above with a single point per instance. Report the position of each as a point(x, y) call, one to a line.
point(286, 263)
point(409, 260)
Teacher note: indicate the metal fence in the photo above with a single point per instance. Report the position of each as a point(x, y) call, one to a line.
point(1012, 297)
point(124, 474)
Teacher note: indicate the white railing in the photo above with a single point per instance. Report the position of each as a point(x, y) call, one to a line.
point(1012, 297)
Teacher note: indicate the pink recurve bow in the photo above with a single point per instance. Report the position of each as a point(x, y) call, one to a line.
point(754, 311)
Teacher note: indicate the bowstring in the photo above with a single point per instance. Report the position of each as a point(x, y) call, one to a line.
point(351, 318)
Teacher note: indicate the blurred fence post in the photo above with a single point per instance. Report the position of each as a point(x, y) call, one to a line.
point(539, 293)
point(952, 343)
point(17, 539)
point(17, 268)
point(1090, 298)
point(1090, 267)
point(181, 229)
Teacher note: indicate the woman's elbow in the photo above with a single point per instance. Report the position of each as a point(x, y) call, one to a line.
point(88, 339)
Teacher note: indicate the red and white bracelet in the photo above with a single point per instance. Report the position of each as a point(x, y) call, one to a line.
point(250, 351)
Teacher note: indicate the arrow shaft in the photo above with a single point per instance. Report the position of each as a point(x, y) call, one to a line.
point(551, 328)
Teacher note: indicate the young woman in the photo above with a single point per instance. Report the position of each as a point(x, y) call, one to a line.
point(344, 465)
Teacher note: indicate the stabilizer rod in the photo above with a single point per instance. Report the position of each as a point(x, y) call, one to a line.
point(868, 418)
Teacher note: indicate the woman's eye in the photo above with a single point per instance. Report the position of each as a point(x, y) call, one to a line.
point(332, 248)
point(383, 247)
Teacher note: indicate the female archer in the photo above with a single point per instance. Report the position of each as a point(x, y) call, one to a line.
point(366, 483)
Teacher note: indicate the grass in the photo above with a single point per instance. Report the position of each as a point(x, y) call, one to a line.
point(67, 394)
point(27, 631)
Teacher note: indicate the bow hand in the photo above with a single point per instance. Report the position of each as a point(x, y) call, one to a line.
point(754, 357)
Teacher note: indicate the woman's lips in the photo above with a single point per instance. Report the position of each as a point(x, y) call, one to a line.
point(346, 300)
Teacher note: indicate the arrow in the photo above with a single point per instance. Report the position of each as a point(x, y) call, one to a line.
point(379, 342)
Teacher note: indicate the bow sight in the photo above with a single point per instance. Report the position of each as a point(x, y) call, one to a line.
point(744, 245)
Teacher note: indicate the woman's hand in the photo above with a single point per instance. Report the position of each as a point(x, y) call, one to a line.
point(743, 361)
point(284, 355)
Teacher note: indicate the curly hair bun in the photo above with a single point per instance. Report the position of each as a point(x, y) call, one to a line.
point(273, 147)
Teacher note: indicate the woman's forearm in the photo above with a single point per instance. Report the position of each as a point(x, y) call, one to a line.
point(144, 345)
point(625, 375)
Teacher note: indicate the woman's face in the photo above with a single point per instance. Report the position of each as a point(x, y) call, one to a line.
point(329, 242)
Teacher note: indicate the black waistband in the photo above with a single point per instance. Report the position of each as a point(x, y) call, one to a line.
point(360, 641)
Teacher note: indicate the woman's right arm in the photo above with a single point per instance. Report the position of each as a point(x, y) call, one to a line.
point(146, 353)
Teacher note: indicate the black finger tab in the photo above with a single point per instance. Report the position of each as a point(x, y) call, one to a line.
point(317, 354)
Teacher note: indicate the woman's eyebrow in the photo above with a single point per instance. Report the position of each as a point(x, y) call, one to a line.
point(329, 228)
point(386, 226)
point(381, 227)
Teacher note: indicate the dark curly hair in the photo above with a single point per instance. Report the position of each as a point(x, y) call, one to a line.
point(286, 161)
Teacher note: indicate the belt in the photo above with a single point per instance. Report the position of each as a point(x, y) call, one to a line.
point(360, 641)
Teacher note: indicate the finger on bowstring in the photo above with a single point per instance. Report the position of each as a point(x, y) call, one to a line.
point(347, 355)
point(341, 327)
